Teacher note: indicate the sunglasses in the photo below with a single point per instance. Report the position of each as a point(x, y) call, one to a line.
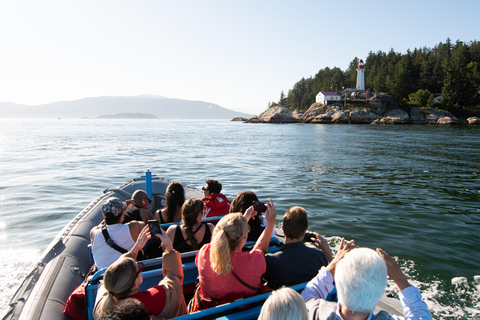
point(149, 201)
point(204, 189)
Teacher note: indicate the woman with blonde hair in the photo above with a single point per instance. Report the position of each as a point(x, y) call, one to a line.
point(123, 279)
point(192, 234)
point(225, 272)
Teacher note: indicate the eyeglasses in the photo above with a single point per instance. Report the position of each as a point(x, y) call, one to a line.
point(140, 268)
point(204, 189)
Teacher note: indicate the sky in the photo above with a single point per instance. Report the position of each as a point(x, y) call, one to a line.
point(237, 54)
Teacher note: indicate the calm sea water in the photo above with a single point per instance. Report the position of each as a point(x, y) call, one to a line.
point(411, 190)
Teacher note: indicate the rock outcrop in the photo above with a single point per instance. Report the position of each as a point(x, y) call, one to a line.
point(358, 108)
point(275, 114)
point(473, 120)
point(239, 119)
point(436, 116)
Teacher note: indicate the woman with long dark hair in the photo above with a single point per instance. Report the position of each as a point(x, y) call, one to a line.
point(174, 198)
point(192, 234)
point(242, 201)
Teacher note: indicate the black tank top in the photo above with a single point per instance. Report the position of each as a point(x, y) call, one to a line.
point(132, 213)
point(180, 243)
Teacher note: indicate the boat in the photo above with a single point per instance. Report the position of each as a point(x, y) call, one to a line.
point(65, 263)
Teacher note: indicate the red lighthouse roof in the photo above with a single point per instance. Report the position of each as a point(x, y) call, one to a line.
point(360, 65)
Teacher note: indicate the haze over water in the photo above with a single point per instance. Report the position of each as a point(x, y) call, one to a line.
point(412, 190)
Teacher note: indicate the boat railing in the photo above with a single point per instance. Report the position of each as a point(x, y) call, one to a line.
point(232, 309)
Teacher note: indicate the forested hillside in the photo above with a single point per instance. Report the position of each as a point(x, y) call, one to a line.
point(451, 70)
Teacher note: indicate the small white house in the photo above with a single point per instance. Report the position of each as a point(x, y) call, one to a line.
point(324, 97)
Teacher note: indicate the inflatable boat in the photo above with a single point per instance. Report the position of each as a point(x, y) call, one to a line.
point(65, 263)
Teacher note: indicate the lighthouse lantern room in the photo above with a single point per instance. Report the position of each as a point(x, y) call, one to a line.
point(360, 76)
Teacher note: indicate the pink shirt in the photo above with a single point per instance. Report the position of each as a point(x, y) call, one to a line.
point(248, 266)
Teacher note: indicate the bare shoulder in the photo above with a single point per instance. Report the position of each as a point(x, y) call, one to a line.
point(211, 226)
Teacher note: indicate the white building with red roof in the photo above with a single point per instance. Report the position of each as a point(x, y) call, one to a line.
point(323, 97)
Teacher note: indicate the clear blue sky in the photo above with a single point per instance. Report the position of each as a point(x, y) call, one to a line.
point(237, 54)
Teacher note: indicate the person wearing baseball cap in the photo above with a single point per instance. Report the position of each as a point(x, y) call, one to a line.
point(110, 239)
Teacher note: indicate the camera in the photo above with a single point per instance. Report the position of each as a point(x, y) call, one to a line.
point(154, 229)
point(309, 237)
point(259, 206)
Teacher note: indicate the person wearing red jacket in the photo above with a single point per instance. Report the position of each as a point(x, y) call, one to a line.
point(217, 204)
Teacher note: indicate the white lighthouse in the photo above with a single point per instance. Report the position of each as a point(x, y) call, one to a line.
point(360, 76)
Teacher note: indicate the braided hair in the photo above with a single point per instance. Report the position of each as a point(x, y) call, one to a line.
point(190, 211)
point(174, 198)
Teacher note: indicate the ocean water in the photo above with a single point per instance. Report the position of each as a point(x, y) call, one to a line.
point(412, 190)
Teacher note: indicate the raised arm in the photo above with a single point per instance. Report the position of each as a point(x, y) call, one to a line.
point(322, 284)
point(322, 244)
point(414, 308)
point(264, 240)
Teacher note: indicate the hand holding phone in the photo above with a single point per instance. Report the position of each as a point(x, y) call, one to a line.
point(259, 206)
point(154, 228)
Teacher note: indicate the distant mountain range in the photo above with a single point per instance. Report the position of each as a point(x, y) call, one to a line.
point(161, 107)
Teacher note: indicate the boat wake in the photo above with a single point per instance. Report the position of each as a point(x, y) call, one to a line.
point(15, 265)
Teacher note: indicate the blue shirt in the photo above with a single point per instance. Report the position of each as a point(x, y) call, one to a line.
point(414, 308)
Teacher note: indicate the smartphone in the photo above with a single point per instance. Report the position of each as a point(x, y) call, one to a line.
point(309, 237)
point(259, 206)
point(154, 229)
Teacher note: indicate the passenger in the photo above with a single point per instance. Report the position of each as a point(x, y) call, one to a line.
point(192, 234)
point(296, 263)
point(123, 279)
point(360, 278)
point(139, 210)
point(217, 204)
point(174, 197)
point(225, 272)
point(257, 224)
point(284, 304)
point(128, 309)
point(122, 235)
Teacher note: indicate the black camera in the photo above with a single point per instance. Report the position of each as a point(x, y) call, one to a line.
point(259, 206)
point(309, 237)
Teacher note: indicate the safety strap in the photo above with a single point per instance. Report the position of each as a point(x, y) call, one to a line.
point(110, 242)
point(246, 284)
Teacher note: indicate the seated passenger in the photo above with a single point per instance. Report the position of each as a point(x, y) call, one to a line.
point(296, 263)
point(192, 234)
point(360, 278)
point(257, 224)
point(122, 235)
point(225, 272)
point(138, 211)
point(174, 198)
point(217, 204)
point(128, 309)
point(284, 304)
point(123, 279)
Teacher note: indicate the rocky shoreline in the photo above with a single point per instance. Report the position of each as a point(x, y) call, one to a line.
point(378, 109)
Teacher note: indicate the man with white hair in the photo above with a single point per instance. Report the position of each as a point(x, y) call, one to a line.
point(360, 278)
